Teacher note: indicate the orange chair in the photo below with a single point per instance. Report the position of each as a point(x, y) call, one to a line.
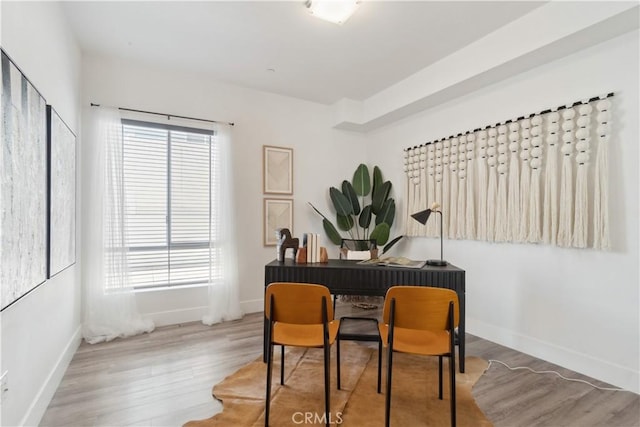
point(420, 320)
point(299, 315)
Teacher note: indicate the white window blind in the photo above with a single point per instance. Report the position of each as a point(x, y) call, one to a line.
point(169, 182)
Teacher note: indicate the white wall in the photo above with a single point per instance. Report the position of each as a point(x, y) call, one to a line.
point(322, 157)
point(40, 332)
point(576, 308)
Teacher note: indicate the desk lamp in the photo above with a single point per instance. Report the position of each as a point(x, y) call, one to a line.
point(422, 218)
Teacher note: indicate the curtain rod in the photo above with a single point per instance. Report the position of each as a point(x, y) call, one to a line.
point(168, 116)
point(561, 107)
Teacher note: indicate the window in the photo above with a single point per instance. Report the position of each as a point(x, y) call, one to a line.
point(169, 182)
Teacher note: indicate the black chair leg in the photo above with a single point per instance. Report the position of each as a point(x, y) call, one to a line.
point(281, 365)
point(338, 359)
point(327, 383)
point(452, 365)
point(440, 377)
point(379, 366)
point(387, 406)
point(452, 369)
point(268, 399)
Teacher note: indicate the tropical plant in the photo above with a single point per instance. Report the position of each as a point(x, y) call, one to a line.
point(363, 209)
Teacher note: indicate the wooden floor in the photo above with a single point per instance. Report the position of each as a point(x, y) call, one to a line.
point(165, 379)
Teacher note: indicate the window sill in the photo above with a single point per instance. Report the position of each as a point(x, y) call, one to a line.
point(169, 288)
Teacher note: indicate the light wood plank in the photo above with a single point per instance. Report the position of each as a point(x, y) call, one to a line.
point(165, 379)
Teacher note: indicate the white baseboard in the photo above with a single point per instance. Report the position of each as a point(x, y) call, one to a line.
point(45, 394)
point(174, 317)
point(194, 314)
point(611, 373)
point(252, 306)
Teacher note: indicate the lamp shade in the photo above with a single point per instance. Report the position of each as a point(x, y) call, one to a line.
point(422, 216)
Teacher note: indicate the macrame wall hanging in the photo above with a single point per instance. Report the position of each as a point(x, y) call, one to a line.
point(537, 179)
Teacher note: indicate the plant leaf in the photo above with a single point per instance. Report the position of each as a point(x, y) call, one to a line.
point(365, 217)
point(387, 212)
point(381, 233)
point(350, 193)
point(391, 243)
point(361, 180)
point(316, 209)
point(345, 223)
point(377, 178)
point(331, 231)
point(380, 196)
point(329, 228)
point(340, 202)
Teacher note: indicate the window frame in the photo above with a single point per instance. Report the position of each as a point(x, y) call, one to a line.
point(169, 245)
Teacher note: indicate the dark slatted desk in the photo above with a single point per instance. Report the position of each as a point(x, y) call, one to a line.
point(350, 278)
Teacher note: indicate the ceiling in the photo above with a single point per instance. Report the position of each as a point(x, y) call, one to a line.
point(279, 47)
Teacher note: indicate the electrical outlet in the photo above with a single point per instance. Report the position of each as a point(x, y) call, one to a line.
point(4, 386)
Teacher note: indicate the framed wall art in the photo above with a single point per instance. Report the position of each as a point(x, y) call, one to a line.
point(278, 213)
point(23, 185)
point(62, 193)
point(277, 167)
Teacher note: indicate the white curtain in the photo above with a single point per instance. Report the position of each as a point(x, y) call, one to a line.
point(109, 304)
point(224, 301)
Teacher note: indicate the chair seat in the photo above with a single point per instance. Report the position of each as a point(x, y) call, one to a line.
point(428, 343)
point(303, 335)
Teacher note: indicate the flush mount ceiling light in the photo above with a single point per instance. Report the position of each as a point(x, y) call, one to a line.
point(336, 11)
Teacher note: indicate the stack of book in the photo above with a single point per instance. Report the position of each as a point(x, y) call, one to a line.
point(311, 241)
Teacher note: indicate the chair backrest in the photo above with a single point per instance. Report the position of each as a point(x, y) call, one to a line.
point(421, 307)
point(299, 303)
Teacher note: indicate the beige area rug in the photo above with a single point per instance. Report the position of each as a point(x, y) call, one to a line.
point(300, 402)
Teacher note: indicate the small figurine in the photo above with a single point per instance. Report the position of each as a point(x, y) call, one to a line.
point(285, 241)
